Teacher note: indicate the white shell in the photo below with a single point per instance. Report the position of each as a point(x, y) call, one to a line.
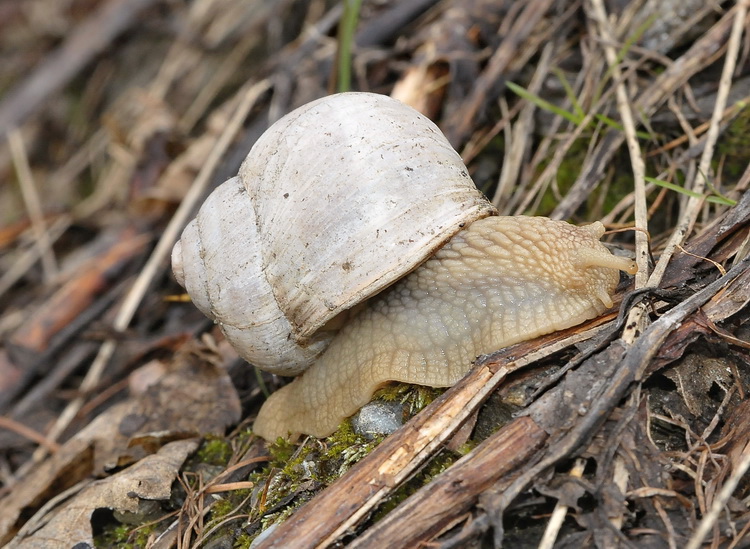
point(226, 282)
point(334, 202)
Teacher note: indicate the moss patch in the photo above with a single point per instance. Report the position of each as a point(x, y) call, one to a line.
point(214, 451)
point(124, 536)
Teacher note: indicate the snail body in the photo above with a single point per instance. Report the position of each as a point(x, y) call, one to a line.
point(358, 201)
point(486, 289)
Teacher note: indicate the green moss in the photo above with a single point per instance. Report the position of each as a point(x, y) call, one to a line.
point(432, 469)
point(344, 448)
point(415, 397)
point(567, 173)
point(422, 397)
point(117, 535)
point(466, 447)
point(321, 462)
point(392, 392)
point(296, 473)
point(142, 534)
point(124, 536)
point(281, 477)
point(283, 514)
point(243, 439)
point(325, 461)
point(221, 508)
point(229, 503)
point(242, 541)
point(281, 451)
point(214, 451)
point(734, 145)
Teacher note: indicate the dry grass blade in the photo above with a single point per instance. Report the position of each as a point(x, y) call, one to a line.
point(700, 55)
point(125, 314)
point(637, 317)
point(522, 131)
point(558, 515)
point(21, 429)
point(720, 502)
point(693, 207)
point(31, 197)
point(624, 106)
point(86, 41)
point(461, 124)
point(31, 256)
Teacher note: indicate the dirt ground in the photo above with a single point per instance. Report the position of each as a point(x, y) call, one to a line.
point(126, 417)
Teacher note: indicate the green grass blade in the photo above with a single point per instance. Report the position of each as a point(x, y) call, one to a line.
point(714, 198)
point(347, 27)
point(570, 94)
point(541, 103)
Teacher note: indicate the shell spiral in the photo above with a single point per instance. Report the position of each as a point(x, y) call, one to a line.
point(334, 202)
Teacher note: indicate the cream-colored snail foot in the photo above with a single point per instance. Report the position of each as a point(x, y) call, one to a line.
point(500, 281)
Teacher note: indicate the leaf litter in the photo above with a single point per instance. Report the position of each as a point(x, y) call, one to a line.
point(124, 411)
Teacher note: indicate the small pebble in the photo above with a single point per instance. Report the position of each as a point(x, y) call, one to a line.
point(378, 418)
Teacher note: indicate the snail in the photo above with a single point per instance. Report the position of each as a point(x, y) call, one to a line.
point(354, 249)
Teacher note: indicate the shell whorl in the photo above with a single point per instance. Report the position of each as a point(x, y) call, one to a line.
point(334, 202)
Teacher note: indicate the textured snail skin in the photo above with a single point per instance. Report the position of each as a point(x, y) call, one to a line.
point(500, 281)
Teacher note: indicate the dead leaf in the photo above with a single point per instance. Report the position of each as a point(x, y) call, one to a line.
point(71, 464)
point(193, 399)
point(695, 376)
point(70, 524)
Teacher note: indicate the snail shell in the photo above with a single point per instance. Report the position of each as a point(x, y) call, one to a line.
point(335, 202)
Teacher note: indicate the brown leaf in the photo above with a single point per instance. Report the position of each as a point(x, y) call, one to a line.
point(149, 480)
point(195, 398)
point(70, 465)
